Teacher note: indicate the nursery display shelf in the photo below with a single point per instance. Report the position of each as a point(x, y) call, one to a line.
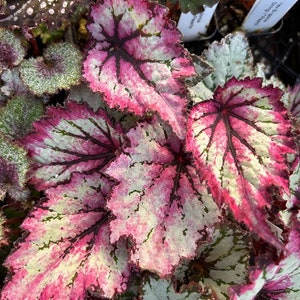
point(278, 49)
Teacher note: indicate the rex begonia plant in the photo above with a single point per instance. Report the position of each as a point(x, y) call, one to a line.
point(158, 175)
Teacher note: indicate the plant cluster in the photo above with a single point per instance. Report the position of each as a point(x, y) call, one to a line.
point(143, 171)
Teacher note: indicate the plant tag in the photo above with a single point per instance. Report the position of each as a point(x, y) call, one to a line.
point(264, 14)
point(193, 26)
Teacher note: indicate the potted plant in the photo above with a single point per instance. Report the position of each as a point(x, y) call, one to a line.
point(140, 170)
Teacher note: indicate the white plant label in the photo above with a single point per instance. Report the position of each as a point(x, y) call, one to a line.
point(264, 14)
point(193, 26)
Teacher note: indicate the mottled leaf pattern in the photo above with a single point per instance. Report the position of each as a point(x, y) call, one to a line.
point(59, 68)
point(276, 281)
point(239, 138)
point(137, 61)
point(32, 12)
point(13, 167)
point(155, 289)
point(17, 116)
point(67, 253)
point(12, 85)
point(160, 202)
point(220, 263)
point(231, 57)
point(71, 139)
point(11, 49)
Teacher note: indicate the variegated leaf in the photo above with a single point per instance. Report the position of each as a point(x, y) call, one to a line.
point(71, 139)
point(231, 57)
point(276, 280)
point(137, 61)
point(219, 264)
point(66, 253)
point(159, 202)
point(240, 141)
point(163, 289)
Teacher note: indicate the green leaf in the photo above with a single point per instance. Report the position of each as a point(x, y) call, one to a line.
point(13, 166)
point(17, 116)
point(59, 68)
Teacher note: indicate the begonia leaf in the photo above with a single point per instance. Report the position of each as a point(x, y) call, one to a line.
point(12, 51)
point(17, 116)
point(59, 68)
point(155, 289)
point(82, 94)
point(13, 166)
point(275, 281)
point(240, 140)
point(53, 13)
point(66, 253)
point(137, 61)
point(294, 103)
point(294, 180)
point(12, 85)
point(221, 263)
point(231, 57)
point(71, 139)
point(203, 69)
point(159, 202)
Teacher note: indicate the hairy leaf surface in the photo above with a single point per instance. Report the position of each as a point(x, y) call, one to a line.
point(137, 61)
point(17, 116)
point(240, 138)
point(59, 68)
point(71, 139)
point(13, 167)
point(11, 49)
point(160, 202)
point(67, 253)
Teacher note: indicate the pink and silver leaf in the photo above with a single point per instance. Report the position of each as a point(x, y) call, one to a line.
point(66, 252)
point(276, 280)
point(71, 139)
point(137, 61)
point(239, 139)
point(159, 203)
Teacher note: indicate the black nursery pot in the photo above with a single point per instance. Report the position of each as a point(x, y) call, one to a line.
point(230, 15)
